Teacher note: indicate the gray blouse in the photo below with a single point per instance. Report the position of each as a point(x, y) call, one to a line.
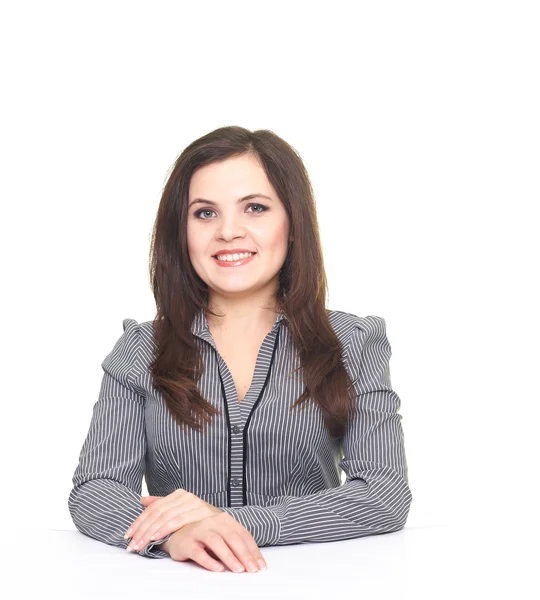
point(275, 470)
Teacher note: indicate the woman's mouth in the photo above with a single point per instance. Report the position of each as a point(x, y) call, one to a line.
point(234, 263)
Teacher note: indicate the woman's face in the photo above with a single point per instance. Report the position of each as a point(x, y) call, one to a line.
point(224, 222)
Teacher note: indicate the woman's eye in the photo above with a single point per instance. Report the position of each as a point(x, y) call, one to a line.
point(260, 206)
point(203, 210)
point(199, 212)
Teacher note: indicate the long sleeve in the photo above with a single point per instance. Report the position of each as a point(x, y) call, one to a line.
point(375, 497)
point(107, 483)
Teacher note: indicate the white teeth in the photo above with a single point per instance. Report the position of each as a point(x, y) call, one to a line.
point(233, 257)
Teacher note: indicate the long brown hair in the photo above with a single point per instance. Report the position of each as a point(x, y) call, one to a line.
point(180, 293)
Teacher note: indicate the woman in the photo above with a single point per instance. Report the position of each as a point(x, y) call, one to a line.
point(243, 400)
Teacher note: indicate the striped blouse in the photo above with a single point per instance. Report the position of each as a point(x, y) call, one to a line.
point(275, 470)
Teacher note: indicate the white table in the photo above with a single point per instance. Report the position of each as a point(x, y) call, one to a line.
point(425, 562)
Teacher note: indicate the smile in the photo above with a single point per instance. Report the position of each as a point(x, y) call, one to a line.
point(234, 263)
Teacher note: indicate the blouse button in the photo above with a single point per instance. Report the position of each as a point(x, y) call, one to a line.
point(236, 429)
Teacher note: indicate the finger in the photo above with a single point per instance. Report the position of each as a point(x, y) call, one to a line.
point(253, 549)
point(148, 500)
point(134, 528)
point(201, 556)
point(151, 513)
point(148, 516)
point(215, 542)
point(154, 521)
point(247, 540)
point(167, 522)
point(237, 543)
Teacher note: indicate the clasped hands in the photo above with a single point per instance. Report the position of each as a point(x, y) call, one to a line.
point(166, 514)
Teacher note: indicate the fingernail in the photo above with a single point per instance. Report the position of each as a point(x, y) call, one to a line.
point(261, 563)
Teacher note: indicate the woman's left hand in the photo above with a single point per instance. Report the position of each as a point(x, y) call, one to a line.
point(166, 514)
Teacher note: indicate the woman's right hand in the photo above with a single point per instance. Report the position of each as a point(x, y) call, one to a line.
point(218, 537)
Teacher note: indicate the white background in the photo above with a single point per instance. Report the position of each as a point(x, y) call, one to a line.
point(418, 123)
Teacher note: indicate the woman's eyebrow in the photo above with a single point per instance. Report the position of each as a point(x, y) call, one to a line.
point(244, 199)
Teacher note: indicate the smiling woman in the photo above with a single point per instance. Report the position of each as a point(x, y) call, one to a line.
point(244, 390)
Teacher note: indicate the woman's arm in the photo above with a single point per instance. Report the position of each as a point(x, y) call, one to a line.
point(105, 498)
point(376, 496)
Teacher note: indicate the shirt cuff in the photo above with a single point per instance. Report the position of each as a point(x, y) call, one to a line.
point(152, 552)
point(261, 521)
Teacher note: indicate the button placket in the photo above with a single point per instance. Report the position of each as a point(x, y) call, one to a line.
point(241, 411)
point(237, 464)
